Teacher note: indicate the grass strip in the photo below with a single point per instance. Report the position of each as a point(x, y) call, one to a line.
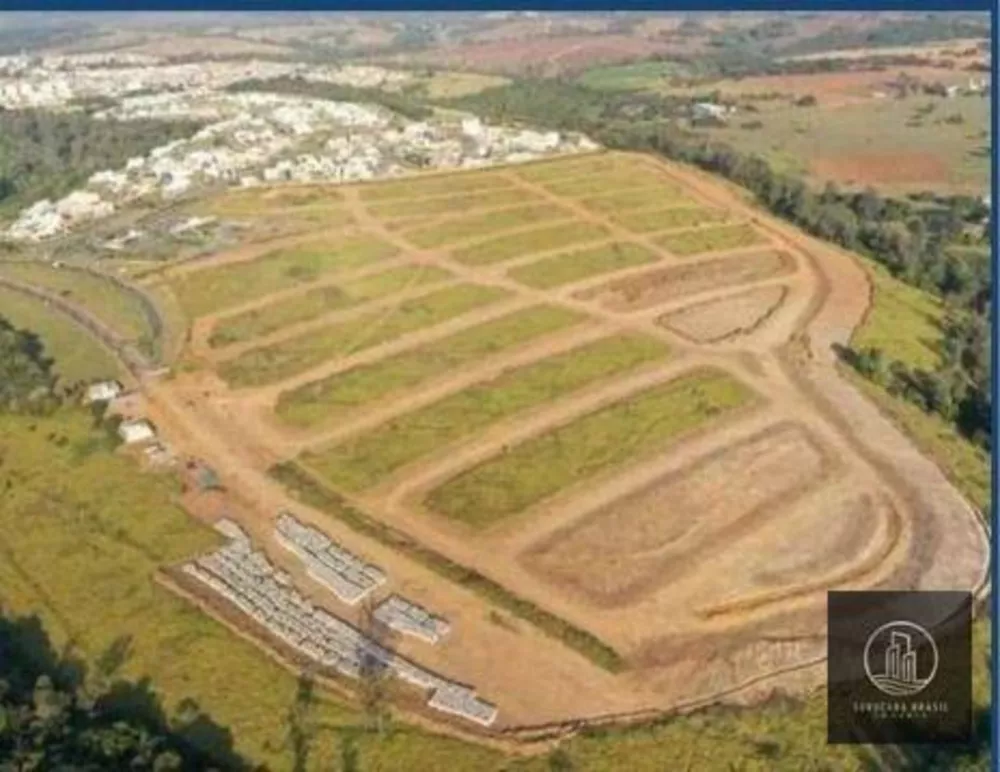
point(574, 266)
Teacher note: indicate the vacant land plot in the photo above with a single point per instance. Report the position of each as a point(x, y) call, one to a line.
point(435, 185)
point(594, 185)
point(676, 281)
point(639, 198)
point(711, 239)
point(119, 309)
point(213, 288)
point(575, 266)
point(252, 201)
point(524, 243)
point(610, 437)
point(905, 322)
point(270, 364)
point(464, 228)
point(322, 300)
point(598, 163)
point(673, 217)
point(450, 204)
point(78, 357)
point(358, 387)
point(619, 552)
point(367, 460)
point(720, 319)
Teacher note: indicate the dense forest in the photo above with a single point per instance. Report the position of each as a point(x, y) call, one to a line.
point(26, 375)
point(45, 154)
point(913, 238)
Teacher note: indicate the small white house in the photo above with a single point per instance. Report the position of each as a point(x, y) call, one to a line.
point(104, 391)
point(710, 110)
point(139, 430)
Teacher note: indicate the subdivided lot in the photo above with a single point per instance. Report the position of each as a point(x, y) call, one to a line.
point(616, 554)
point(78, 356)
point(673, 217)
point(717, 320)
point(582, 165)
point(321, 300)
point(529, 242)
point(212, 288)
point(368, 459)
point(274, 363)
point(575, 266)
point(615, 180)
point(903, 321)
point(327, 399)
point(662, 285)
point(437, 185)
point(464, 228)
point(610, 437)
point(253, 200)
point(121, 310)
point(461, 202)
point(636, 198)
point(711, 239)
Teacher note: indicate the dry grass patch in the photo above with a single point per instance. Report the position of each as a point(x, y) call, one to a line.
point(711, 239)
point(464, 228)
point(276, 362)
point(434, 185)
point(463, 202)
point(720, 319)
point(636, 198)
point(327, 399)
point(524, 243)
point(575, 266)
point(610, 437)
point(673, 217)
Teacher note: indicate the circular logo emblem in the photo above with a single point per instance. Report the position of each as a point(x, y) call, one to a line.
point(901, 658)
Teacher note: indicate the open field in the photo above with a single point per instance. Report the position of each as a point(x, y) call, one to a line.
point(325, 400)
point(528, 242)
point(673, 217)
point(78, 357)
point(121, 310)
point(278, 361)
point(455, 435)
point(457, 204)
point(365, 461)
point(660, 285)
point(209, 289)
point(710, 239)
point(574, 266)
point(624, 431)
point(316, 302)
point(251, 200)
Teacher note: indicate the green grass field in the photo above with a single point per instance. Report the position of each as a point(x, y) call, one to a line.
point(641, 76)
point(78, 357)
point(322, 300)
point(327, 399)
point(563, 269)
point(639, 198)
point(214, 288)
point(450, 204)
point(674, 217)
point(710, 239)
point(610, 437)
point(274, 363)
point(120, 309)
point(619, 179)
point(473, 226)
point(366, 460)
point(433, 185)
point(100, 530)
point(498, 250)
point(905, 322)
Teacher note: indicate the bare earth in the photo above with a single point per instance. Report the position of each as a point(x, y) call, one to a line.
point(706, 565)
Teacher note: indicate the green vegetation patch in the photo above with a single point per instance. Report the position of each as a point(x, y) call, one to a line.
point(322, 300)
point(638, 198)
point(436, 185)
point(256, 200)
point(366, 460)
point(462, 228)
point(710, 239)
point(210, 289)
point(617, 180)
point(674, 217)
point(462, 202)
point(274, 363)
point(903, 321)
point(564, 168)
point(633, 77)
point(78, 356)
point(498, 250)
point(610, 437)
point(575, 266)
point(307, 489)
point(331, 397)
point(121, 310)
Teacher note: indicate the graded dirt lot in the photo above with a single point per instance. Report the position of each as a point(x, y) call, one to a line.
point(652, 525)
